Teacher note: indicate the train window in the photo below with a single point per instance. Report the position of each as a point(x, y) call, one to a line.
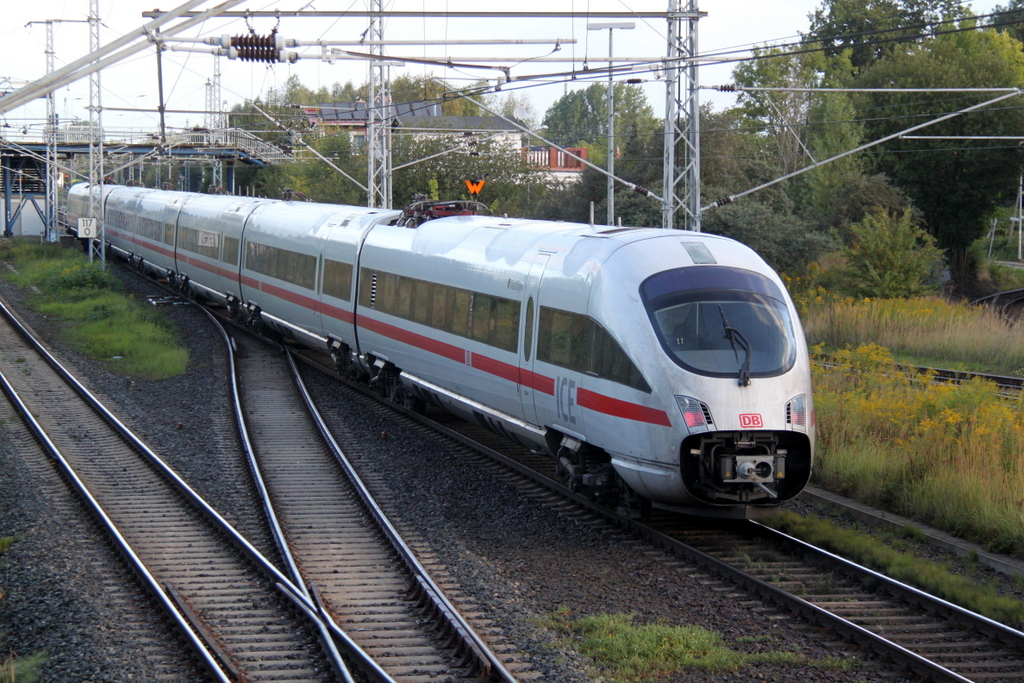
point(290, 266)
point(337, 278)
point(367, 288)
point(202, 242)
point(608, 360)
point(491, 320)
point(721, 322)
point(555, 337)
point(404, 298)
point(420, 302)
point(149, 228)
point(387, 293)
point(580, 343)
point(230, 250)
point(460, 313)
point(480, 327)
point(505, 323)
point(528, 336)
point(168, 233)
point(442, 307)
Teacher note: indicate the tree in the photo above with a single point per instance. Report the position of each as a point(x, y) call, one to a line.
point(796, 122)
point(868, 30)
point(512, 104)
point(430, 89)
point(323, 183)
point(955, 183)
point(781, 114)
point(1009, 18)
point(511, 185)
point(580, 118)
point(767, 225)
point(861, 197)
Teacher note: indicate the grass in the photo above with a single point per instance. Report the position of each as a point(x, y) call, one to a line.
point(925, 331)
point(631, 652)
point(99, 319)
point(950, 456)
point(929, 576)
point(13, 669)
point(23, 670)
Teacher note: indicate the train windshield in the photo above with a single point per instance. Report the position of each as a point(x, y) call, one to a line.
point(721, 322)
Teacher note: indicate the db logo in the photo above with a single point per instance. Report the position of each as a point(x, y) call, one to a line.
point(751, 420)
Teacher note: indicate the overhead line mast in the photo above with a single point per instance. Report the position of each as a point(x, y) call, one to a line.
point(682, 108)
point(682, 121)
point(378, 115)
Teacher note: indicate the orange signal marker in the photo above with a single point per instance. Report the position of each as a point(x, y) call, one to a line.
point(474, 186)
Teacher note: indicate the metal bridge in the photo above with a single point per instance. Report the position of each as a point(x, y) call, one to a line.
point(23, 172)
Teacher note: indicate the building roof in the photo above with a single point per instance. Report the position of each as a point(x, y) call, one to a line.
point(356, 112)
point(457, 122)
point(408, 114)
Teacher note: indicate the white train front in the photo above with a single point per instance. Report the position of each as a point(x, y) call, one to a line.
point(658, 367)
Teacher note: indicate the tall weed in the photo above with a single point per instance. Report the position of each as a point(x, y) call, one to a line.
point(949, 455)
point(931, 330)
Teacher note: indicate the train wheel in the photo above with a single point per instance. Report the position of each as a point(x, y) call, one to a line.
point(565, 470)
point(234, 311)
point(394, 391)
point(344, 364)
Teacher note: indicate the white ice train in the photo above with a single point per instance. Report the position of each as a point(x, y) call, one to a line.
point(656, 366)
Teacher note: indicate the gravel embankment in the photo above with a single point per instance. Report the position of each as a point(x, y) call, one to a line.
point(518, 559)
point(524, 563)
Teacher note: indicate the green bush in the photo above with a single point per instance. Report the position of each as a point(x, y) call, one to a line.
point(890, 257)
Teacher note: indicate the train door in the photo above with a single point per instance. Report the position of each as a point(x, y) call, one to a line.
point(530, 383)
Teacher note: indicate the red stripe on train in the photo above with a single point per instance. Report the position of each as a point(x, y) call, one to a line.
point(618, 408)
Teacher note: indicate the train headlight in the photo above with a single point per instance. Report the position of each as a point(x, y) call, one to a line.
point(796, 413)
point(696, 415)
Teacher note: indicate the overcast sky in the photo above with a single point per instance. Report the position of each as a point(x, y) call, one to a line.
point(728, 23)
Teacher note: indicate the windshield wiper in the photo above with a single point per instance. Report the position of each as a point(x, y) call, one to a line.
point(734, 335)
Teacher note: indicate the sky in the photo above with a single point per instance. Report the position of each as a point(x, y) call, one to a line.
point(132, 84)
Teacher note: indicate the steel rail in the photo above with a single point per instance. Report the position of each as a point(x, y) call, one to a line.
point(990, 627)
point(945, 375)
point(283, 582)
point(147, 578)
point(901, 655)
point(308, 601)
point(488, 663)
point(272, 520)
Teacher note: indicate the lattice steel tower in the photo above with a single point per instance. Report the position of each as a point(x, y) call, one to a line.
point(681, 178)
point(95, 137)
point(378, 116)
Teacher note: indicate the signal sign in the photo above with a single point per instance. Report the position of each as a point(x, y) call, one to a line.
point(87, 228)
point(474, 186)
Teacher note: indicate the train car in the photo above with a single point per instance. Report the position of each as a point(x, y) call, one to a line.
point(657, 367)
point(297, 272)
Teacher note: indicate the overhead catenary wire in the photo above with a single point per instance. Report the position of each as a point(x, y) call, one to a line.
point(132, 42)
point(731, 198)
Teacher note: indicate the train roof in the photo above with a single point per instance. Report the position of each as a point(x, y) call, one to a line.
point(509, 237)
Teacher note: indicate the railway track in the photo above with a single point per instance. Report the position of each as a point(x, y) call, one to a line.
point(927, 635)
point(934, 639)
point(222, 595)
point(395, 617)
